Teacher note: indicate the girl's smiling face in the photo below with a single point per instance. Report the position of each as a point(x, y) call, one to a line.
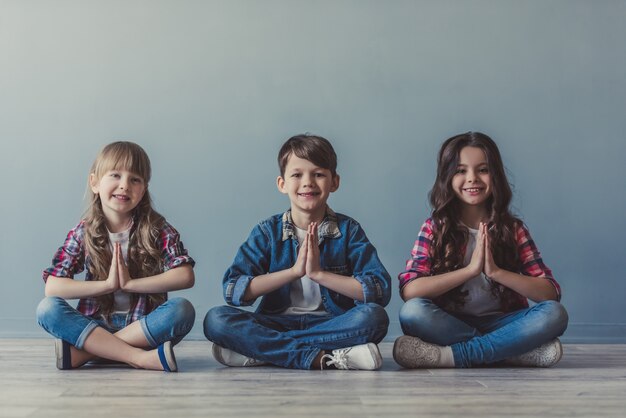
point(120, 192)
point(472, 181)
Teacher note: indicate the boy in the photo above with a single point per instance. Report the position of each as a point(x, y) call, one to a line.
point(321, 284)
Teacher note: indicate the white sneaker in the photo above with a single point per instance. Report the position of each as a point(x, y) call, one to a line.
point(233, 359)
point(545, 355)
point(360, 357)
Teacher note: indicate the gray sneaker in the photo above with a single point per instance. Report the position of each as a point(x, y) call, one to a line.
point(413, 353)
point(359, 357)
point(233, 359)
point(545, 355)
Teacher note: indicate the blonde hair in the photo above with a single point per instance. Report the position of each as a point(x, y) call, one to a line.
point(144, 257)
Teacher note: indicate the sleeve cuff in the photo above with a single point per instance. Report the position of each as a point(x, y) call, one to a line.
point(372, 290)
point(239, 289)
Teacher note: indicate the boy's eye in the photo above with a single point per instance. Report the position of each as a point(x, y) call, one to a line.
point(296, 175)
point(320, 175)
point(136, 180)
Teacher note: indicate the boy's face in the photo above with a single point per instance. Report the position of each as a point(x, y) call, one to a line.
point(307, 185)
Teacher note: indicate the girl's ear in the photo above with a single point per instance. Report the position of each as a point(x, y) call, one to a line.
point(93, 183)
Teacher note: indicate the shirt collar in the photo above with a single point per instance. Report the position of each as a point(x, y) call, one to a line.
point(327, 229)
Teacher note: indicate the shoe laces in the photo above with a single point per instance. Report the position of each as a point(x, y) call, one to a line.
point(250, 361)
point(338, 358)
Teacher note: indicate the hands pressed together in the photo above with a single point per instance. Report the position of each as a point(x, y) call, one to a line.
point(119, 277)
point(308, 261)
point(482, 257)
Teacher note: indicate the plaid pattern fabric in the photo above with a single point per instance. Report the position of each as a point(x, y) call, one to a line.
point(71, 259)
point(420, 263)
point(326, 229)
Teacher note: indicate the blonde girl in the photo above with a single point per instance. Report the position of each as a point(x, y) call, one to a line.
point(131, 257)
point(472, 270)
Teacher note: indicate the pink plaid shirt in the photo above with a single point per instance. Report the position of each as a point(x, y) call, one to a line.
point(71, 259)
point(419, 265)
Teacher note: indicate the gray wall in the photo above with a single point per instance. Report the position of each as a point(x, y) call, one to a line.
point(211, 89)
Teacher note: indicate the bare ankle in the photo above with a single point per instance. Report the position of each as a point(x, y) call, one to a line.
point(79, 357)
point(142, 359)
point(146, 359)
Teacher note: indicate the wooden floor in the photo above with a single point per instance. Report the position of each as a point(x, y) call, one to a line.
point(589, 381)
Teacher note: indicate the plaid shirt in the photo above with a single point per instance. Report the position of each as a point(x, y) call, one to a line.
point(71, 259)
point(420, 263)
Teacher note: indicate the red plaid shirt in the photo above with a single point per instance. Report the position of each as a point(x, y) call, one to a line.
point(71, 259)
point(419, 265)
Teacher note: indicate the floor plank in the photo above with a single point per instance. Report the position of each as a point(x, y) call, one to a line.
point(589, 381)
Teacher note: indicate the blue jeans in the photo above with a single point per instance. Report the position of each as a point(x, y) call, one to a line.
point(477, 340)
point(171, 321)
point(293, 341)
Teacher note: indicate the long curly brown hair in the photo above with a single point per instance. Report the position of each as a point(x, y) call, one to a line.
point(144, 258)
point(451, 236)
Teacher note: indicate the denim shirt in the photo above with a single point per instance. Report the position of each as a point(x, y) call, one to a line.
point(273, 246)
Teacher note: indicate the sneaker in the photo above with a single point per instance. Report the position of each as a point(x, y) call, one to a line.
point(413, 353)
point(545, 355)
point(62, 353)
point(360, 357)
point(233, 359)
point(167, 357)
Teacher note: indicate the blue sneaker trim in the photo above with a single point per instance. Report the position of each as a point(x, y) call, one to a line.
point(166, 357)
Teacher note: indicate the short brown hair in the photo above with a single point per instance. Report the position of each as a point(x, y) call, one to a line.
point(314, 148)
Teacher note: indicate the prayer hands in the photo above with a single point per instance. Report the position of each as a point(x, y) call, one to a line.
point(308, 261)
point(118, 273)
point(482, 258)
point(313, 267)
point(489, 268)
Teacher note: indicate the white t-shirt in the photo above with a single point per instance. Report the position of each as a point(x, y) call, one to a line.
point(305, 293)
point(122, 299)
point(479, 300)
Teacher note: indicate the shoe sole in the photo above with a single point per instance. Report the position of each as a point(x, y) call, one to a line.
point(551, 357)
point(217, 355)
point(378, 359)
point(402, 352)
point(549, 354)
point(170, 358)
point(560, 352)
point(409, 353)
point(62, 353)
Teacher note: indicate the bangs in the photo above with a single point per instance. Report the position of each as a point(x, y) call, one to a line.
point(316, 149)
point(313, 155)
point(123, 156)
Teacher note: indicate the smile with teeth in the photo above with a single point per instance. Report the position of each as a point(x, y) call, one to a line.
point(309, 194)
point(121, 197)
point(473, 190)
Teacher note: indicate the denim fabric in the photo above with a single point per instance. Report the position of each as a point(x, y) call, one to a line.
point(344, 249)
point(171, 321)
point(477, 340)
point(293, 341)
